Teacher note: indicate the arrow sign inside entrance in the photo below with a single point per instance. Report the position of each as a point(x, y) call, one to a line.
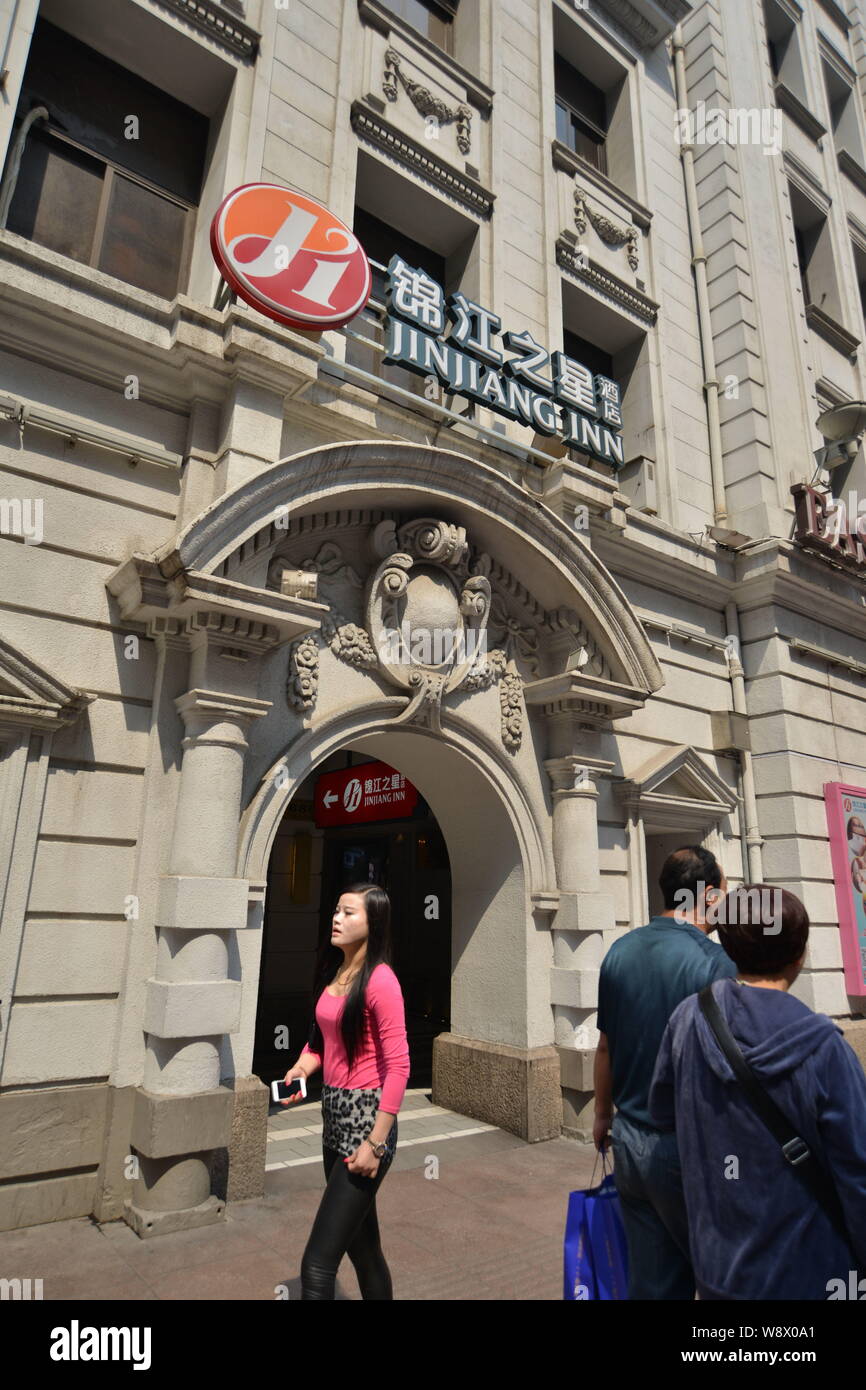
point(371, 791)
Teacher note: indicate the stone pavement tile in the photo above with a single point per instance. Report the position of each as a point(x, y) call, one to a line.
point(248, 1277)
point(453, 1224)
point(91, 1284)
point(53, 1239)
point(277, 1228)
point(457, 1286)
point(284, 1184)
point(159, 1256)
point(302, 1147)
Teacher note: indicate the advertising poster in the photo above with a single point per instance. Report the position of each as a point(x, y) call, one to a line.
point(846, 822)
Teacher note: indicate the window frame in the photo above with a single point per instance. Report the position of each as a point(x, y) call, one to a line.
point(443, 10)
point(113, 170)
point(598, 135)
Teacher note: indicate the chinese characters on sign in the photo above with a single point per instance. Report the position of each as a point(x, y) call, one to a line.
point(582, 407)
point(373, 791)
point(846, 820)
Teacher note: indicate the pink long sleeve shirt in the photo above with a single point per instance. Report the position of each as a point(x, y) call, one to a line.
point(383, 1057)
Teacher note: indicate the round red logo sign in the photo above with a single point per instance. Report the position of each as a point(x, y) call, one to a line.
point(289, 257)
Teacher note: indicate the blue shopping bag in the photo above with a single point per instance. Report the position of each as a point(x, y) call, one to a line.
point(595, 1252)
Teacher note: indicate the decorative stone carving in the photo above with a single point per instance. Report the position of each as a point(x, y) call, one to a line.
point(303, 683)
point(511, 704)
point(425, 101)
point(612, 233)
point(425, 624)
point(328, 561)
point(350, 643)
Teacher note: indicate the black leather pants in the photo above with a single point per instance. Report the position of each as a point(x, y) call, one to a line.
point(346, 1224)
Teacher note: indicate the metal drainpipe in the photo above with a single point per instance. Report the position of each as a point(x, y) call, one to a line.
point(699, 262)
point(39, 113)
point(750, 800)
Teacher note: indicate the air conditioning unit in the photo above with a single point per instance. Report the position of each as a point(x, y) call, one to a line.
point(637, 479)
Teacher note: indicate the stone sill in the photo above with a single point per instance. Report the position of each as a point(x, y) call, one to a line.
point(800, 114)
point(381, 19)
point(574, 164)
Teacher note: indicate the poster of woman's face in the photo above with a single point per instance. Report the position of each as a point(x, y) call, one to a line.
point(846, 823)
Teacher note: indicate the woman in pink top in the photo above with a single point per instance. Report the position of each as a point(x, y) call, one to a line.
point(359, 1039)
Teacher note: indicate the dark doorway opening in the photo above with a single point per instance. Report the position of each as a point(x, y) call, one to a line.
point(308, 870)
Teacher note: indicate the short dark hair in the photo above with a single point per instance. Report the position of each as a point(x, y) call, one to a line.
point(683, 870)
point(762, 928)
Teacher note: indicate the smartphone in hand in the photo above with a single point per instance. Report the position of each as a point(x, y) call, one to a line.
point(280, 1090)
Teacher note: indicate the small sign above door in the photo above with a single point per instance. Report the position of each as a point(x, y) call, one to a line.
point(373, 791)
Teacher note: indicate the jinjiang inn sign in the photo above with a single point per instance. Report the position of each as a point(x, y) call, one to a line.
point(289, 257)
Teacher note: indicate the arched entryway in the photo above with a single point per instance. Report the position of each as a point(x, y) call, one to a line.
point(500, 947)
point(273, 615)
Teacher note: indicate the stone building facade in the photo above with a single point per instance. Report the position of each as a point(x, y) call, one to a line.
point(206, 515)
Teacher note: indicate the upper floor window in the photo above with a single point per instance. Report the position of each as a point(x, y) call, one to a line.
point(843, 102)
point(381, 242)
point(784, 49)
point(113, 177)
point(581, 114)
point(434, 18)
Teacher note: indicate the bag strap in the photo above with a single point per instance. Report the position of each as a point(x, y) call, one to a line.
point(795, 1149)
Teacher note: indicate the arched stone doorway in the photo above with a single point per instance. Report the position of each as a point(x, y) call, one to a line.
point(501, 945)
point(269, 613)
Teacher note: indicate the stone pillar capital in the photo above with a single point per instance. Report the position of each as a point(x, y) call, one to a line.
point(576, 775)
point(211, 716)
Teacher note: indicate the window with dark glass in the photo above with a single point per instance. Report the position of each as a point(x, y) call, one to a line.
point(113, 177)
point(433, 18)
point(381, 242)
point(581, 114)
point(598, 361)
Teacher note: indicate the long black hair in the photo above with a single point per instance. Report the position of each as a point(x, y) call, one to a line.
point(378, 906)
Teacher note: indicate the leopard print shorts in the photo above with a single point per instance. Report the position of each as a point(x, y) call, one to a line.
point(348, 1115)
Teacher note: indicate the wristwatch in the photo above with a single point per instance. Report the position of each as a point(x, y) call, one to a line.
point(378, 1149)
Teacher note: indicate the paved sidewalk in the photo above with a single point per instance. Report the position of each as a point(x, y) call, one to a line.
point(488, 1227)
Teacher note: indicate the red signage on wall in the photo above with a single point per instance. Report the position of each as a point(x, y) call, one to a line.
point(289, 257)
point(373, 791)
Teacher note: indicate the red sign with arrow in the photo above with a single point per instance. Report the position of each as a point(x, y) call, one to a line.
point(372, 791)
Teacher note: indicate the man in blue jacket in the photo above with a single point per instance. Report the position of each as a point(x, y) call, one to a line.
point(757, 1230)
point(643, 978)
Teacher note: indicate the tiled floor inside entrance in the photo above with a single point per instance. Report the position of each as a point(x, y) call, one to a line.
point(295, 1133)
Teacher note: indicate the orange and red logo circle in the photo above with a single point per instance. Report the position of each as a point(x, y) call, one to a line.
point(289, 257)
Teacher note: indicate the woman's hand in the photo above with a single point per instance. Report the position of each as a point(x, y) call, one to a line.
point(296, 1071)
point(363, 1161)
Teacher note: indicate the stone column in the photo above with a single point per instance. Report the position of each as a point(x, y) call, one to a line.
point(584, 920)
point(181, 1111)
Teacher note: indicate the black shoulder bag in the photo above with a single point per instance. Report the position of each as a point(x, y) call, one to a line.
point(794, 1147)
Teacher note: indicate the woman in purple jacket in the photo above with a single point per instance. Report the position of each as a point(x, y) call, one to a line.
point(756, 1230)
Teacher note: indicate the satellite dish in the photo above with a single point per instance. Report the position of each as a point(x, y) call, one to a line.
point(846, 421)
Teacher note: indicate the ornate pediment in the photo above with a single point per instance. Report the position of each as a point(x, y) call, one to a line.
point(436, 617)
point(31, 697)
point(674, 789)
